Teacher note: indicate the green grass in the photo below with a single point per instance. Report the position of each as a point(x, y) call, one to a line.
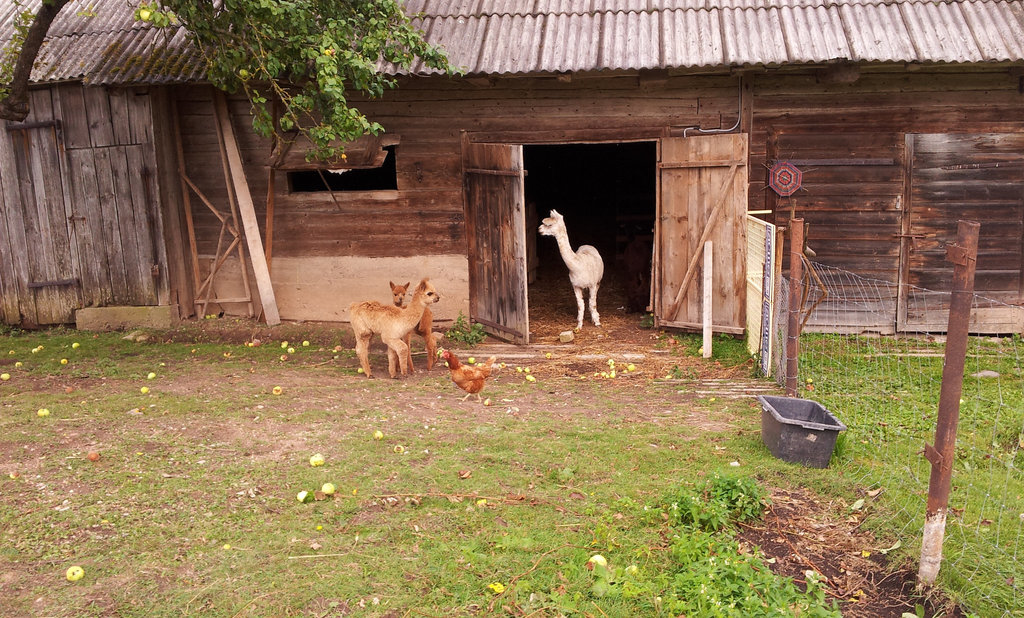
point(192, 509)
point(887, 392)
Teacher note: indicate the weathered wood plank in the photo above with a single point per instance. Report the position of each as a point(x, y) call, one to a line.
point(131, 230)
point(111, 234)
point(74, 120)
point(97, 109)
point(88, 218)
point(118, 98)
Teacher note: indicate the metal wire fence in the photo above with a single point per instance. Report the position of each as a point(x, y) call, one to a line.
point(885, 387)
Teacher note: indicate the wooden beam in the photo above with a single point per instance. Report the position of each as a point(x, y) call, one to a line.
point(247, 211)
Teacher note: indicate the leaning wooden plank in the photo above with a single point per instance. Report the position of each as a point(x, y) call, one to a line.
point(247, 211)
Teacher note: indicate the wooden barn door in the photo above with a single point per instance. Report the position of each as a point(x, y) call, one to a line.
point(496, 230)
point(978, 177)
point(38, 236)
point(702, 195)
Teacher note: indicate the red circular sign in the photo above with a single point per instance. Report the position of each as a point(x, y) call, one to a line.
point(785, 178)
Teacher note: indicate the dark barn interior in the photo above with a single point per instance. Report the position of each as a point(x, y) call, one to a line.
point(606, 192)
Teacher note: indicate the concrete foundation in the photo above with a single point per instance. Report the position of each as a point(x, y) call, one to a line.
point(122, 318)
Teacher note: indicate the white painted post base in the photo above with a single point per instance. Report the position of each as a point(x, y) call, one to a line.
point(931, 547)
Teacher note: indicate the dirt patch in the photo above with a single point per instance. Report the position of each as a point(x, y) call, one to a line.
point(799, 534)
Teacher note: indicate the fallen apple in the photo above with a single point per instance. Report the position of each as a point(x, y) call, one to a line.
point(5, 376)
point(93, 456)
point(150, 375)
point(63, 361)
point(399, 449)
point(303, 496)
point(291, 350)
point(316, 460)
point(277, 390)
point(530, 378)
point(329, 489)
point(42, 412)
point(631, 367)
point(76, 345)
point(144, 390)
point(305, 344)
point(75, 573)
point(284, 357)
point(471, 360)
point(284, 344)
point(378, 435)
point(598, 559)
point(18, 364)
point(487, 401)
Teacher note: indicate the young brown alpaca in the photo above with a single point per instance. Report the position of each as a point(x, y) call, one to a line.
point(423, 329)
point(392, 323)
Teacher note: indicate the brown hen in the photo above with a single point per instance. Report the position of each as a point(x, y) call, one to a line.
point(469, 378)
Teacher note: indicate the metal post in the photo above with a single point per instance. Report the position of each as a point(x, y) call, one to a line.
point(963, 255)
point(796, 245)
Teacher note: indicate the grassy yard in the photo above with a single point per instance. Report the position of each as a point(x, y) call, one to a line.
point(190, 506)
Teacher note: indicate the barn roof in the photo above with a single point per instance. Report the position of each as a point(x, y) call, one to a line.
point(98, 41)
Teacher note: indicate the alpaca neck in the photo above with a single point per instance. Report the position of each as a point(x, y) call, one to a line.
point(568, 255)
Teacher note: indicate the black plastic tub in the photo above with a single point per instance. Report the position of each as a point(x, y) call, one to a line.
point(799, 430)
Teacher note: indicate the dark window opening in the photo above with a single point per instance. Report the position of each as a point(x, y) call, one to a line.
point(383, 178)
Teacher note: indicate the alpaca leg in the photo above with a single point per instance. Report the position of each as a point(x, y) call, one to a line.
point(363, 352)
point(408, 352)
point(595, 317)
point(397, 354)
point(579, 307)
point(431, 345)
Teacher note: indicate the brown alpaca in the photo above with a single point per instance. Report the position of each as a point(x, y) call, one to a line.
point(392, 323)
point(423, 329)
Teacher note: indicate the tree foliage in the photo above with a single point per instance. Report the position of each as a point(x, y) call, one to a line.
point(300, 61)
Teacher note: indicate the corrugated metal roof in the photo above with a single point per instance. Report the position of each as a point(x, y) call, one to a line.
point(100, 42)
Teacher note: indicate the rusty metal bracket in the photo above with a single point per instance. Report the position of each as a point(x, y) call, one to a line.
point(956, 254)
point(932, 455)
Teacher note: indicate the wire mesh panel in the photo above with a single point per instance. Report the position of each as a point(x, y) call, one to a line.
point(885, 388)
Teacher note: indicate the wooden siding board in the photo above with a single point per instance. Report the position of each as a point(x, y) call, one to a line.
point(111, 233)
point(118, 102)
point(131, 230)
point(148, 222)
point(75, 121)
point(97, 108)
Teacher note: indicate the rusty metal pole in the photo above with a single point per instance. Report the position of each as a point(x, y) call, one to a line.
point(796, 245)
point(964, 256)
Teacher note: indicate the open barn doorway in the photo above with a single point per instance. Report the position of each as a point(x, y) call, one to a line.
point(607, 194)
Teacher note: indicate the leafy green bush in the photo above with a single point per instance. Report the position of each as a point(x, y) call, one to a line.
point(723, 499)
point(461, 331)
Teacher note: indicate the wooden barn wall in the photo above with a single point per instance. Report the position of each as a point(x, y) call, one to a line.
point(330, 250)
point(80, 223)
point(850, 140)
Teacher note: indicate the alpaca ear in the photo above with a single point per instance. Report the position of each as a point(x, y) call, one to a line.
point(406, 286)
point(554, 213)
point(392, 284)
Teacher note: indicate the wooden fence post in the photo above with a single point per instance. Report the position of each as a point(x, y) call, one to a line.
point(796, 246)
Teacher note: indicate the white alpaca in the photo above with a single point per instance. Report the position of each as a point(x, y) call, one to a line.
point(585, 266)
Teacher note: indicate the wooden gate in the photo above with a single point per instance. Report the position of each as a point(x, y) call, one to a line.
point(79, 219)
point(702, 195)
point(496, 230)
point(977, 177)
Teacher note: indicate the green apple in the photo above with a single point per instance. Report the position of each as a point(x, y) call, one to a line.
point(75, 573)
point(303, 496)
point(316, 460)
point(42, 412)
point(377, 435)
point(329, 489)
point(76, 345)
point(151, 375)
point(5, 376)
